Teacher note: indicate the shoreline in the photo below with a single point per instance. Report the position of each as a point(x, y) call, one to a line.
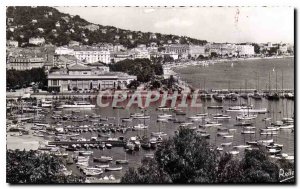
point(211, 61)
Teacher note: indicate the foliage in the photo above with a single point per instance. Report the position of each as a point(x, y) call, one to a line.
point(32, 168)
point(133, 84)
point(72, 29)
point(188, 158)
point(18, 79)
point(142, 68)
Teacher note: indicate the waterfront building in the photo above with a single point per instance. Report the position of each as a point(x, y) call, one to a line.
point(83, 77)
point(195, 51)
point(283, 49)
point(245, 50)
point(181, 50)
point(24, 63)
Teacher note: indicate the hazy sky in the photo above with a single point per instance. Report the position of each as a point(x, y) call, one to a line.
point(214, 24)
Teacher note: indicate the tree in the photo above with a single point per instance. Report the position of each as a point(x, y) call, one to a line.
point(188, 158)
point(133, 84)
point(31, 167)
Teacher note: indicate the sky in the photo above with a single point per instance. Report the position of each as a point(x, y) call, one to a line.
point(214, 24)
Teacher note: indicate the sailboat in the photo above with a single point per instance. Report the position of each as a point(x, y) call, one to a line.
point(272, 95)
point(122, 161)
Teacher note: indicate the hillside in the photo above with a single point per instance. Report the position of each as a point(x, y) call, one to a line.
point(59, 28)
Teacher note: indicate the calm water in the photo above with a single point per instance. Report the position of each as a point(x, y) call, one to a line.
point(235, 74)
point(216, 76)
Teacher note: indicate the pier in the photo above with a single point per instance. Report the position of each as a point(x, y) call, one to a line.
point(114, 143)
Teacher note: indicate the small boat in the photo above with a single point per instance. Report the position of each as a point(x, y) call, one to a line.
point(108, 146)
point(234, 152)
point(103, 159)
point(242, 146)
point(274, 151)
point(118, 107)
point(126, 119)
point(226, 144)
point(222, 116)
point(158, 134)
point(265, 142)
point(164, 116)
point(286, 127)
point(211, 124)
point(86, 153)
point(251, 142)
point(248, 132)
point(222, 133)
point(140, 127)
point(164, 120)
point(113, 168)
point(140, 116)
point(102, 166)
point(228, 136)
point(215, 107)
point(270, 129)
point(243, 124)
point(246, 117)
point(269, 133)
point(122, 161)
point(197, 117)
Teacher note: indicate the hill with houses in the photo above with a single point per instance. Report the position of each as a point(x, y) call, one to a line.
point(57, 28)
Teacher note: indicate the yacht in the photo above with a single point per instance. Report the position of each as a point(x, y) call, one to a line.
point(158, 134)
point(286, 127)
point(246, 117)
point(140, 116)
point(211, 124)
point(84, 105)
point(113, 168)
point(140, 127)
point(103, 159)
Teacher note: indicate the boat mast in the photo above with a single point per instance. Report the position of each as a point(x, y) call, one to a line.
point(269, 83)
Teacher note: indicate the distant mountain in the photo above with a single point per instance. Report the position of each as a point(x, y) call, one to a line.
point(59, 29)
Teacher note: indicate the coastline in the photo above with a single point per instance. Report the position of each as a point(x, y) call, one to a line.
point(170, 68)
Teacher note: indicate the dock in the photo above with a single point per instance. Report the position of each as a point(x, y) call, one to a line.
point(114, 143)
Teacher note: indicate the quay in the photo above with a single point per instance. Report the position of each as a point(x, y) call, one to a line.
point(114, 143)
point(252, 90)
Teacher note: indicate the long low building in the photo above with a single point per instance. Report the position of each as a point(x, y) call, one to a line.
point(23, 63)
point(81, 77)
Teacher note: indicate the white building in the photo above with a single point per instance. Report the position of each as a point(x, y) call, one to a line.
point(245, 50)
point(90, 55)
point(83, 77)
point(195, 51)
